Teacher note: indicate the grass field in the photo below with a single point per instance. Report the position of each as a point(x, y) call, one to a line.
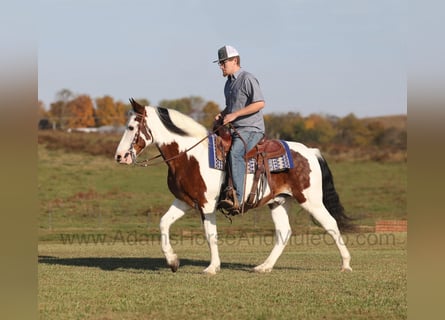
point(125, 280)
point(100, 257)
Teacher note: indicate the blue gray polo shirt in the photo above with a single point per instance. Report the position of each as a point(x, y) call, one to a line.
point(242, 89)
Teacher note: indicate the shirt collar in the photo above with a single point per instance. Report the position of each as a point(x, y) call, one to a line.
point(235, 75)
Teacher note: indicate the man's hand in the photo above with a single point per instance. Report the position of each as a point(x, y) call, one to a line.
point(229, 118)
point(218, 116)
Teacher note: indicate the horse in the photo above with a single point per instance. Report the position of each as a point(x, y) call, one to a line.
point(183, 147)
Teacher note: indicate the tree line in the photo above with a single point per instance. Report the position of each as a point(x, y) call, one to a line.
point(75, 111)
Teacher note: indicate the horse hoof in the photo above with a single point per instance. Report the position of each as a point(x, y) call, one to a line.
point(211, 270)
point(262, 269)
point(346, 269)
point(174, 265)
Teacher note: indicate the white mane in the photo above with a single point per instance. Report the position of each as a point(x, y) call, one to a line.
point(188, 124)
point(193, 130)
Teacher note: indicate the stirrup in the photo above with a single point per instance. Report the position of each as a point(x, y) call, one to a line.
point(227, 206)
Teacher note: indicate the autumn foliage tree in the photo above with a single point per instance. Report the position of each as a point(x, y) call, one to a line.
point(321, 131)
point(352, 132)
point(317, 129)
point(80, 112)
point(109, 112)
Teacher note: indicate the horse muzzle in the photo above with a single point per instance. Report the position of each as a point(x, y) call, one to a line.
point(127, 158)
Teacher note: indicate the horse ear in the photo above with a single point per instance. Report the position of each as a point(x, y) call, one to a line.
point(136, 106)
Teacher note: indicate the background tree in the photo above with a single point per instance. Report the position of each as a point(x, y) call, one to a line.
point(376, 130)
point(197, 105)
point(317, 130)
point(393, 138)
point(387, 132)
point(80, 112)
point(283, 126)
point(41, 110)
point(122, 110)
point(58, 112)
point(209, 111)
point(109, 112)
point(105, 111)
point(192, 106)
point(182, 105)
point(141, 101)
point(352, 132)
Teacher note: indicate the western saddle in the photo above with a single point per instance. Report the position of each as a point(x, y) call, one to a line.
point(265, 149)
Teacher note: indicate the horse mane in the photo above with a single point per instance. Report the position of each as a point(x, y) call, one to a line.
point(164, 116)
point(180, 124)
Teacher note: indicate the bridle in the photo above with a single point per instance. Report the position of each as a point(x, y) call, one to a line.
point(142, 124)
point(146, 162)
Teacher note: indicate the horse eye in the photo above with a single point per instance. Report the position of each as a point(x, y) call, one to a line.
point(131, 128)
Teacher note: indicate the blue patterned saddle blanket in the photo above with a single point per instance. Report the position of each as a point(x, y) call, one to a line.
point(280, 163)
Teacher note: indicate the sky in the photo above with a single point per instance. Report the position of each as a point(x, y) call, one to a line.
point(332, 57)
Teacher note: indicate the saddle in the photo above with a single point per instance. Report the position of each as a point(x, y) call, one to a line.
point(223, 139)
point(265, 149)
point(268, 148)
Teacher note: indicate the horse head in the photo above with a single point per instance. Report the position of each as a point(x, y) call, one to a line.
point(137, 136)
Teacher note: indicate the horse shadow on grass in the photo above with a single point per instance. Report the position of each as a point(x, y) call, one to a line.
point(132, 263)
point(144, 264)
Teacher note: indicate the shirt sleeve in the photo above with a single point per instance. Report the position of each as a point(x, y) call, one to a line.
point(251, 88)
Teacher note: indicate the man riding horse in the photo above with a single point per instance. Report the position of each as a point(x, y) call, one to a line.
point(244, 102)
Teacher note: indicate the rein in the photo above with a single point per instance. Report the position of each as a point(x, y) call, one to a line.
point(145, 163)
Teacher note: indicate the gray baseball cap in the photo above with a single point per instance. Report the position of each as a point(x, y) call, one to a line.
point(225, 53)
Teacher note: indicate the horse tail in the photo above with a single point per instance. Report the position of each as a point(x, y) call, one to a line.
point(331, 200)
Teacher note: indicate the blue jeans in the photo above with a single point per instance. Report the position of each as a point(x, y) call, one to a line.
point(236, 158)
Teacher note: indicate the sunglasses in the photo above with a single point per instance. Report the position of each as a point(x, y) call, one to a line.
point(222, 63)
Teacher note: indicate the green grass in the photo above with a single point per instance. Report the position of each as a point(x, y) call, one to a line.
point(372, 190)
point(130, 281)
point(123, 275)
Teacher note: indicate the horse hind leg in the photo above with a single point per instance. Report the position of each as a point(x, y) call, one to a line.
point(327, 221)
point(283, 233)
point(176, 211)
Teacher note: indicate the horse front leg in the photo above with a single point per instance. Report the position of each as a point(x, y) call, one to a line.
point(176, 211)
point(212, 240)
point(283, 233)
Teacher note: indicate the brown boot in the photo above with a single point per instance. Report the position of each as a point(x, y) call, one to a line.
point(228, 205)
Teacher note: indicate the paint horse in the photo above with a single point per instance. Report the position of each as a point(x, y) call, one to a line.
point(194, 184)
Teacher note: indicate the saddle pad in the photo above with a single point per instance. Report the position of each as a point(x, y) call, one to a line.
point(275, 164)
point(214, 162)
